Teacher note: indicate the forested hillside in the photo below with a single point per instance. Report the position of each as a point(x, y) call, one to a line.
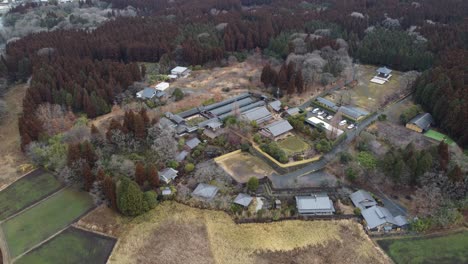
point(88, 68)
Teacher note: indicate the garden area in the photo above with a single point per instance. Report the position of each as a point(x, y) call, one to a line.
point(451, 248)
point(293, 145)
point(36, 224)
point(243, 165)
point(26, 191)
point(71, 246)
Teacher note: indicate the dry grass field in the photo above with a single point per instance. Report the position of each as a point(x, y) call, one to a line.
point(12, 157)
point(175, 233)
point(241, 166)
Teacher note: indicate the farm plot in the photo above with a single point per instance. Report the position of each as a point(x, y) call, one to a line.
point(36, 224)
point(439, 249)
point(438, 136)
point(71, 246)
point(293, 145)
point(175, 233)
point(367, 95)
point(26, 191)
point(242, 166)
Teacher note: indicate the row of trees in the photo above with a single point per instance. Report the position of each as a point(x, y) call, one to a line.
point(287, 79)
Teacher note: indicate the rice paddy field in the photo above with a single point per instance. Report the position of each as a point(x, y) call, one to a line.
point(438, 136)
point(27, 191)
point(72, 246)
point(175, 233)
point(31, 227)
point(292, 145)
point(450, 248)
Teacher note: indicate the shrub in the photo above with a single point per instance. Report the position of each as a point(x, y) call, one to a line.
point(130, 201)
point(382, 117)
point(351, 174)
point(420, 225)
point(150, 198)
point(236, 208)
point(357, 211)
point(245, 147)
point(173, 164)
point(252, 184)
point(367, 160)
point(178, 94)
point(189, 167)
point(345, 157)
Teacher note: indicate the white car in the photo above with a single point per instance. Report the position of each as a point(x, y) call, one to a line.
point(342, 123)
point(315, 110)
point(321, 113)
point(320, 117)
point(351, 126)
point(329, 117)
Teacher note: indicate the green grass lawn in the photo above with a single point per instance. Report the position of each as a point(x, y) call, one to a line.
point(292, 145)
point(26, 191)
point(45, 219)
point(443, 249)
point(71, 246)
point(438, 136)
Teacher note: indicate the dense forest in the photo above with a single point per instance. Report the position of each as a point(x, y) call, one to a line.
point(85, 69)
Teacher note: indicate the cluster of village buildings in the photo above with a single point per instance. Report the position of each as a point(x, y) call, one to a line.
point(269, 114)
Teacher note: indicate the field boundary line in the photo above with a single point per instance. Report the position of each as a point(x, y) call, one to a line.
point(75, 225)
point(19, 178)
point(4, 247)
point(35, 204)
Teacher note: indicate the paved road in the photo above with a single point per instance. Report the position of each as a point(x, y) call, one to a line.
point(289, 180)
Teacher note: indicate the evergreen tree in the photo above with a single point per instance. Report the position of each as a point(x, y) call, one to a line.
point(88, 177)
point(456, 174)
point(153, 177)
point(299, 82)
point(139, 127)
point(130, 201)
point(140, 173)
point(108, 187)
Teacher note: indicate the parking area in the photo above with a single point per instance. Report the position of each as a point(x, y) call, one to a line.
point(334, 120)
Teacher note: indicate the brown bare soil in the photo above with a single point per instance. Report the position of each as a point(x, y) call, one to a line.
point(12, 157)
point(165, 245)
point(398, 135)
point(102, 220)
point(333, 251)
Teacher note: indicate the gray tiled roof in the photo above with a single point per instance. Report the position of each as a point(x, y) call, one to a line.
point(327, 103)
point(259, 114)
point(422, 121)
point(352, 112)
point(193, 143)
point(225, 102)
point(292, 111)
point(244, 109)
point(362, 199)
point(243, 199)
point(276, 105)
point(181, 156)
point(148, 93)
point(376, 216)
point(205, 191)
point(384, 70)
point(278, 128)
point(168, 174)
point(314, 204)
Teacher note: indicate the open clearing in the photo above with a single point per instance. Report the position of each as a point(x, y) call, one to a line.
point(175, 233)
point(71, 246)
point(242, 166)
point(38, 223)
point(12, 157)
point(365, 94)
point(26, 191)
point(439, 249)
point(438, 136)
point(293, 145)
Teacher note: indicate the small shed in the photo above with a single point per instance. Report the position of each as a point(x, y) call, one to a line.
point(275, 105)
point(167, 175)
point(162, 86)
point(243, 199)
point(292, 111)
point(180, 71)
point(192, 143)
point(205, 191)
point(166, 191)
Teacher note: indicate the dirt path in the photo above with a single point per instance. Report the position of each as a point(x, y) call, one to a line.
point(12, 156)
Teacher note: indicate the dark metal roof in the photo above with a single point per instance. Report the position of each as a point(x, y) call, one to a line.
point(279, 127)
point(384, 70)
point(244, 109)
point(327, 103)
point(422, 121)
point(230, 107)
point(259, 114)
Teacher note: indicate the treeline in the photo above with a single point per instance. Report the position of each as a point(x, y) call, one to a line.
point(81, 85)
point(443, 92)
